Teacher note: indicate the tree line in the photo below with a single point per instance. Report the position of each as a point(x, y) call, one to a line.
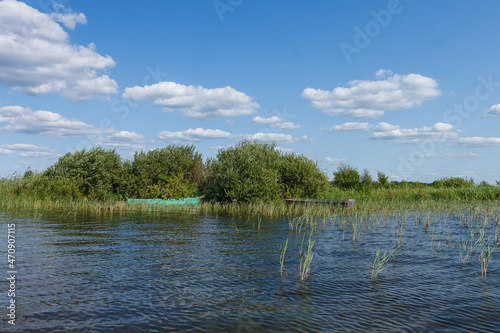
point(249, 171)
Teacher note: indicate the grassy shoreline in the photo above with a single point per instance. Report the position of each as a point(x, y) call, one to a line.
point(376, 201)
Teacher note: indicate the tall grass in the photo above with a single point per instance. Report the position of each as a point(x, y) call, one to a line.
point(380, 261)
point(282, 257)
point(306, 258)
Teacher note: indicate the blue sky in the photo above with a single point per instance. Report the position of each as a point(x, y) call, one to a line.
point(409, 88)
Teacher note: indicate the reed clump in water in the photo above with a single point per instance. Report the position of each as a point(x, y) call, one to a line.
point(380, 261)
point(306, 258)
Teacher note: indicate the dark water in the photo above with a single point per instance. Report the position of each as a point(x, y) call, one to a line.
point(198, 274)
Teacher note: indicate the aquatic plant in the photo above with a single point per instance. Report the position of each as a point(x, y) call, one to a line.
point(485, 254)
point(305, 258)
point(282, 257)
point(380, 261)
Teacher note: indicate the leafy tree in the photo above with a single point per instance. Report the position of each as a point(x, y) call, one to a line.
point(244, 173)
point(301, 177)
point(382, 179)
point(366, 180)
point(346, 177)
point(171, 172)
point(96, 173)
point(454, 182)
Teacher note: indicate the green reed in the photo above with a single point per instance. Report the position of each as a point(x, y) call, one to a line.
point(306, 258)
point(282, 257)
point(485, 253)
point(380, 261)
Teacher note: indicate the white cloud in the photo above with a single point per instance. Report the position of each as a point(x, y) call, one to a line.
point(451, 155)
point(40, 154)
point(394, 133)
point(285, 150)
point(195, 101)
point(353, 126)
point(276, 121)
point(335, 160)
point(193, 135)
point(265, 121)
point(5, 151)
point(122, 140)
point(493, 111)
point(26, 147)
point(200, 134)
point(36, 56)
point(24, 120)
point(382, 73)
point(480, 141)
point(217, 147)
point(69, 19)
point(28, 150)
point(370, 99)
point(279, 138)
point(286, 125)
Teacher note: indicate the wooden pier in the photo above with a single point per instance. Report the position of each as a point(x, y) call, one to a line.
point(348, 203)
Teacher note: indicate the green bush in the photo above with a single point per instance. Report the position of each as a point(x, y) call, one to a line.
point(346, 177)
point(300, 177)
point(382, 179)
point(96, 173)
point(454, 182)
point(244, 173)
point(171, 172)
point(365, 180)
point(253, 171)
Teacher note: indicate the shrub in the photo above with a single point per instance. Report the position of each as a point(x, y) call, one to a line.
point(346, 177)
point(365, 180)
point(96, 173)
point(244, 173)
point(301, 177)
point(455, 182)
point(382, 179)
point(170, 172)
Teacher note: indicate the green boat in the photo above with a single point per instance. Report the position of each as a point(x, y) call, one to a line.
point(180, 201)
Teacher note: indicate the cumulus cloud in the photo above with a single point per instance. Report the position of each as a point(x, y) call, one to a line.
point(394, 133)
point(371, 99)
point(267, 121)
point(195, 101)
point(493, 111)
point(24, 120)
point(335, 160)
point(5, 151)
point(200, 134)
point(18, 119)
point(193, 135)
point(353, 126)
point(276, 121)
point(461, 155)
point(480, 141)
point(29, 150)
point(216, 147)
point(36, 56)
point(122, 140)
point(68, 18)
point(280, 138)
point(40, 154)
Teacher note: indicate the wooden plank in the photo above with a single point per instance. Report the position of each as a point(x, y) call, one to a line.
point(348, 203)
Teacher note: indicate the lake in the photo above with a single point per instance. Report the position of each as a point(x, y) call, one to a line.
point(180, 273)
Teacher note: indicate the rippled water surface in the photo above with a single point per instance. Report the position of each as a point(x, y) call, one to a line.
point(206, 274)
